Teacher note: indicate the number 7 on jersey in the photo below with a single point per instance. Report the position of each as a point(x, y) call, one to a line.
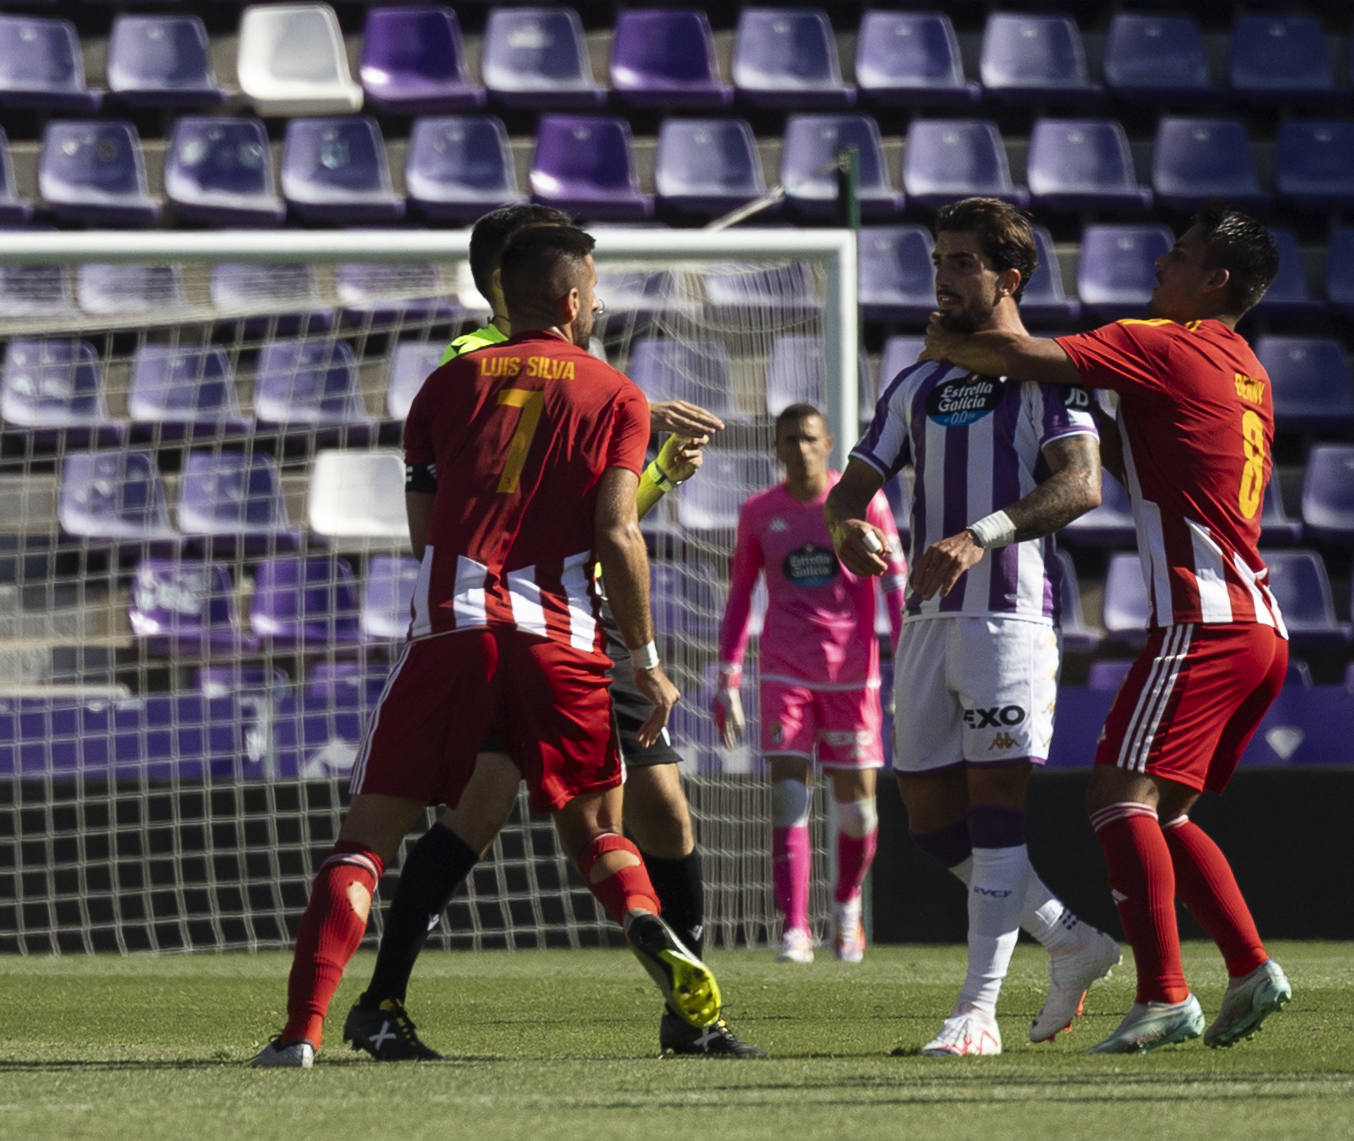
point(532, 403)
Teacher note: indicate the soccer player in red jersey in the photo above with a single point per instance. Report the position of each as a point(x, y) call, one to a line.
point(1195, 425)
point(523, 461)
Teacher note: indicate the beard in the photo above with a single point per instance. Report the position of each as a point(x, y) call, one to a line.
point(973, 316)
point(581, 332)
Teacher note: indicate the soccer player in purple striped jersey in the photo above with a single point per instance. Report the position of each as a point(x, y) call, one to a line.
point(997, 468)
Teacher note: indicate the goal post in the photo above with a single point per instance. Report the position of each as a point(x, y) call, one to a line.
point(193, 628)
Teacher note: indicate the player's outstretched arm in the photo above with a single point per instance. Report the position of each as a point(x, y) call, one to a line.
point(1001, 352)
point(685, 419)
point(625, 569)
point(860, 546)
point(677, 461)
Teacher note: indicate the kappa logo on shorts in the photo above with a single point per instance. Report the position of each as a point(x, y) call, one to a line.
point(994, 718)
point(1002, 741)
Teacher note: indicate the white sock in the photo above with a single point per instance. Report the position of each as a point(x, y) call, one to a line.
point(995, 898)
point(1042, 913)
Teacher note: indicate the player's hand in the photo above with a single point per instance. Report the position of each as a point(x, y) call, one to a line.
point(681, 456)
point(687, 420)
point(729, 719)
point(860, 547)
point(943, 562)
point(654, 685)
point(939, 342)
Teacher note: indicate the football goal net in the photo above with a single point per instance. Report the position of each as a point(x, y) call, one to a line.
point(205, 575)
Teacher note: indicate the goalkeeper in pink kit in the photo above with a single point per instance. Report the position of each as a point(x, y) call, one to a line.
point(819, 675)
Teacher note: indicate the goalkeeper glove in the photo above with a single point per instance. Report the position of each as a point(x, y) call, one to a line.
point(728, 705)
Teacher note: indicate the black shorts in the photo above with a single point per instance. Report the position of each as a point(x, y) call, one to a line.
point(629, 709)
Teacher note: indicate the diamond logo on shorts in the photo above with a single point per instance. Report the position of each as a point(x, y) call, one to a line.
point(1002, 741)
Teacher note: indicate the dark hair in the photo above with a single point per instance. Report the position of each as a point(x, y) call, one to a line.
point(796, 412)
point(1005, 234)
point(492, 231)
point(539, 265)
point(1243, 247)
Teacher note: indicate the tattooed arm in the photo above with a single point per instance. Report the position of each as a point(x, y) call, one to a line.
point(1072, 489)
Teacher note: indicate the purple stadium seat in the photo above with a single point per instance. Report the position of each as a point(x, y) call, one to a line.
point(413, 62)
point(1083, 164)
point(180, 392)
point(1116, 269)
point(911, 58)
point(1314, 164)
point(1306, 725)
point(1078, 638)
point(335, 170)
point(1107, 676)
point(115, 495)
point(1289, 295)
point(113, 290)
point(585, 164)
point(1153, 57)
point(387, 597)
point(242, 678)
point(14, 211)
point(1108, 525)
point(1126, 605)
point(316, 735)
point(277, 297)
point(374, 294)
point(1299, 582)
point(538, 57)
point(186, 607)
point(787, 57)
point(92, 172)
point(1195, 159)
point(812, 142)
point(945, 159)
point(707, 166)
point(1276, 528)
point(1281, 60)
point(1035, 58)
point(233, 502)
point(41, 65)
point(713, 501)
point(1328, 493)
point(309, 386)
point(1044, 302)
point(37, 291)
point(665, 57)
point(219, 171)
point(1340, 270)
point(52, 390)
point(305, 603)
point(789, 290)
point(410, 364)
point(899, 353)
point(897, 279)
point(1310, 380)
point(162, 61)
point(683, 368)
point(460, 166)
point(796, 373)
point(685, 596)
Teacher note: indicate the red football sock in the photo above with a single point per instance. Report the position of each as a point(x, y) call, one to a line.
point(1143, 884)
point(331, 930)
point(1206, 885)
point(624, 890)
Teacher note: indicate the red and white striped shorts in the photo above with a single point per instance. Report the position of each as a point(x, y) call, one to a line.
point(1192, 701)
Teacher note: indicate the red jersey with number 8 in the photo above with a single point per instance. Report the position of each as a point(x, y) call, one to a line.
point(1196, 421)
point(519, 435)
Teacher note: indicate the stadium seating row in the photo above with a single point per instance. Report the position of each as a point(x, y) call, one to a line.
point(218, 170)
point(53, 389)
point(292, 60)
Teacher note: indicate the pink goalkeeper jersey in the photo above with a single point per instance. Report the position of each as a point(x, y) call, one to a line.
point(820, 618)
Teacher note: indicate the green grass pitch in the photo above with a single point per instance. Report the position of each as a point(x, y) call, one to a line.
point(551, 1046)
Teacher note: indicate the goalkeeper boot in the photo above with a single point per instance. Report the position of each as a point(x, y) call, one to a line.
point(298, 1055)
point(688, 986)
point(676, 1036)
point(796, 946)
point(1247, 1003)
point(1148, 1025)
point(387, 1033)
point(848, 939)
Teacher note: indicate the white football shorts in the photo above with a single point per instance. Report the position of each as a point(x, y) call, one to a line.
point(976, 690)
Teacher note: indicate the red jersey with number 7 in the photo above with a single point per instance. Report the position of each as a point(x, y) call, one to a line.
point(519, 435)
point(1196, 421)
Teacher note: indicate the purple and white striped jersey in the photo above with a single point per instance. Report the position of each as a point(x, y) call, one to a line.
point(975, 445)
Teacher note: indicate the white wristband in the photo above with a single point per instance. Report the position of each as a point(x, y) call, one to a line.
point(645, 657)
point(995, 530)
